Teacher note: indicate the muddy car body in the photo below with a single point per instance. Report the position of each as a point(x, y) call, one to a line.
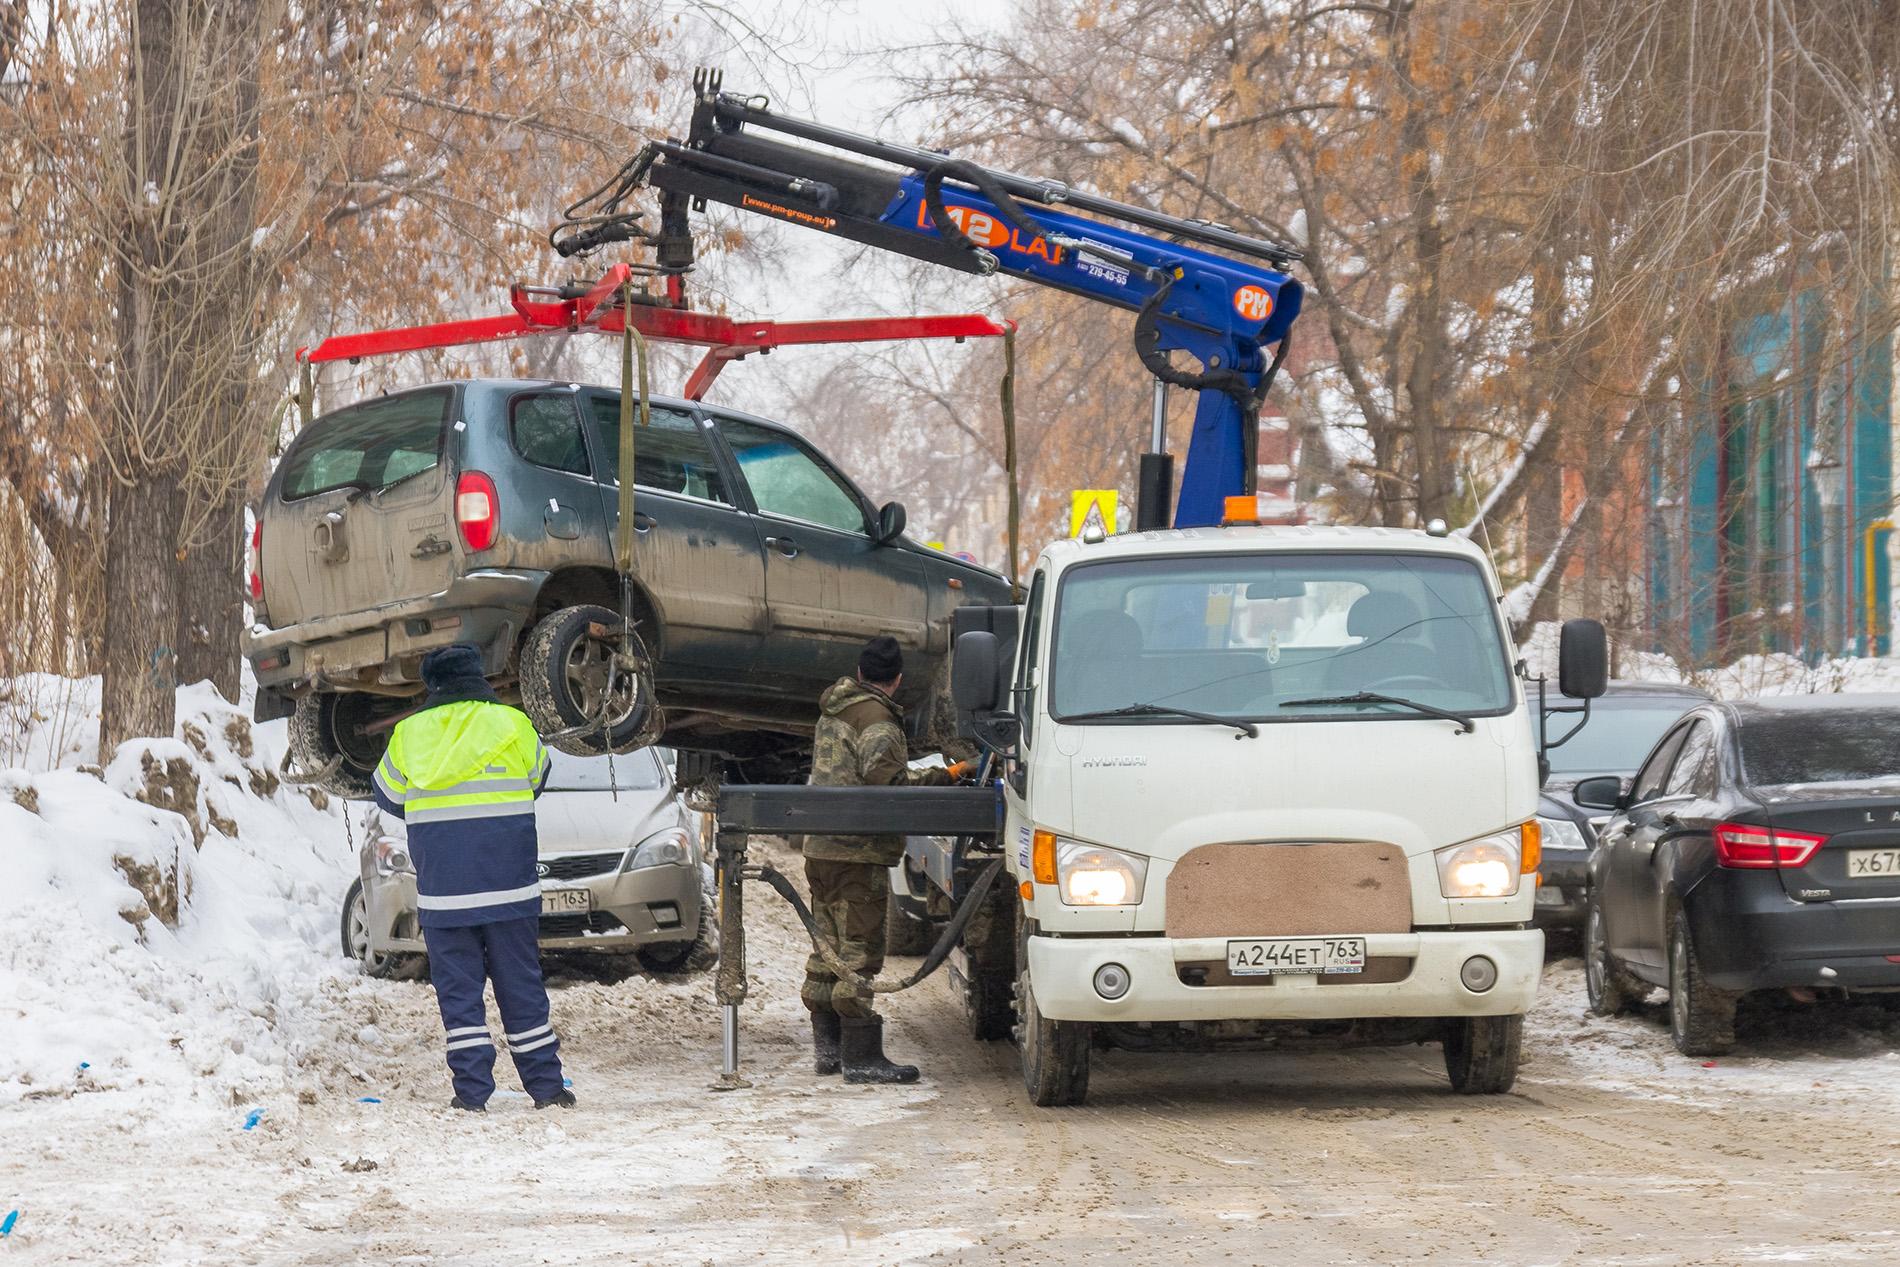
point(485, 511)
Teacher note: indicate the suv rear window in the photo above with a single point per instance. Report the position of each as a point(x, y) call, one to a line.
point(368, 446)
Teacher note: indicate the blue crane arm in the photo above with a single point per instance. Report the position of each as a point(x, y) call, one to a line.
point(1216, 295)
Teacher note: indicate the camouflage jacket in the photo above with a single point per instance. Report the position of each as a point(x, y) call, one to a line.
point(860, 743)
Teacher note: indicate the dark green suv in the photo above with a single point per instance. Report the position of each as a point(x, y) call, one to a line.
point(485, 512)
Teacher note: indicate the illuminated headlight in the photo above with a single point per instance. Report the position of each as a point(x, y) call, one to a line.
point(671, 847)
point(1489, 866)
point(392, 856)
point(1561, 833)
point(1091, 875)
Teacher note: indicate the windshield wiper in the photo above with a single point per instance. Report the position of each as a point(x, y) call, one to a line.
point(1373, 697)
point(1246, 728)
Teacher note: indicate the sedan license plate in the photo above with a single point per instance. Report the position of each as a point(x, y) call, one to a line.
point(1869, 863)
point(1289, 956)
point(566, 902)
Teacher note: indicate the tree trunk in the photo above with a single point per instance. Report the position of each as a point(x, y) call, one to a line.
point(141, 679)
point(211, 601)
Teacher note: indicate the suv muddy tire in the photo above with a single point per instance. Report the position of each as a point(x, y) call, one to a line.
point(1482, 1052)
point(329, 726)
point(563, 671)
point(1055, 1054)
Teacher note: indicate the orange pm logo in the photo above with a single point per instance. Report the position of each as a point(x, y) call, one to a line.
point(1253, 303)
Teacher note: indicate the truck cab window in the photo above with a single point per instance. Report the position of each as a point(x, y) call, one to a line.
point(670, 454)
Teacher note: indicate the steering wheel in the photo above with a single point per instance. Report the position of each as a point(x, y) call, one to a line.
point(1403, 682)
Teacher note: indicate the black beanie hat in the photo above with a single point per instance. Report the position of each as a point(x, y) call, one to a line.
point(882, 660)
point(454, 673)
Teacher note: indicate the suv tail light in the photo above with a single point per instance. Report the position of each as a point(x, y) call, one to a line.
point(477, 510)
point(257, 562)
point(1763, 848)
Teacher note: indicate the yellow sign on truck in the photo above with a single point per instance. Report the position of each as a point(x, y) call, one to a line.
point(1092, 505)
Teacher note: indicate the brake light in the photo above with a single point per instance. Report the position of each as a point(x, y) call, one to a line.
point(257, 562)
point(477, 510)
point(1761, 848)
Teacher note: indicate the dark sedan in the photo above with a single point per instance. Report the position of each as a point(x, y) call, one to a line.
point(1758, 849)
point(1624, 724)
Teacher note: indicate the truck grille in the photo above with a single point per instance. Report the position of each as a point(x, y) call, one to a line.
point(1288, 890)
point(578, 866)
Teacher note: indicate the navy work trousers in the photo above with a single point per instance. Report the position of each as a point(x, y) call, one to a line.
point(508, 954)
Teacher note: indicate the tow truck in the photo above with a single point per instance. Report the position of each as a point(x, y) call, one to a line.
point(1244, 784)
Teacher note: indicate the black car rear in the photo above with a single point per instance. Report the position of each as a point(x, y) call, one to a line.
point(1758, 849)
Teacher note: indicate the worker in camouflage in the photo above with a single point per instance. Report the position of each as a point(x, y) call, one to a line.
point(860, 743)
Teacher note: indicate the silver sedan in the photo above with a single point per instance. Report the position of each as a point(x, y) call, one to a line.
point(622, 866)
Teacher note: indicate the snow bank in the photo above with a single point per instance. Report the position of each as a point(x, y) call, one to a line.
point(167, 922)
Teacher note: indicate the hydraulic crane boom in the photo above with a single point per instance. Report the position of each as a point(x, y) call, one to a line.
point(1179, 276)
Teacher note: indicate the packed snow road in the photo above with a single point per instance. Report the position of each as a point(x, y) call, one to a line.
point(1612, 1149)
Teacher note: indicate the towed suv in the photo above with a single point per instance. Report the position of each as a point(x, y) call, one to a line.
point(485, 512)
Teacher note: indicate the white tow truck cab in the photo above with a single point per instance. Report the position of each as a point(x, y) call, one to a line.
point(1259, 775)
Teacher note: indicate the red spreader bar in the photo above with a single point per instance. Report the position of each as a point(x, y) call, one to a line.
point(544, 310)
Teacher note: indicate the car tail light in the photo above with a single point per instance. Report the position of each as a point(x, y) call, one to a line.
point(257, 562)
point(1740, 845)
point(477, 510)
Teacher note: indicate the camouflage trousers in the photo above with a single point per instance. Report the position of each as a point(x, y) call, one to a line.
point(848, 901)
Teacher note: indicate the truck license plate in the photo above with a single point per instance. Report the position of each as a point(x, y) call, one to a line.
point(565, 902)
point(1868, 863)
point(1288, 956)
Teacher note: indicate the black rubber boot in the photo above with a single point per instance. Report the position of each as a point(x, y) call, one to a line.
point(824, 1043)
point(862, 1046)
point(565, 1100)
point(459, 1103)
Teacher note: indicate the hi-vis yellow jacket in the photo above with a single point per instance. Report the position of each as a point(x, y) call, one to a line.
point(464, 776)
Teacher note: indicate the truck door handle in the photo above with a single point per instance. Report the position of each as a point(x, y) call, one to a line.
point(642, 522)
point(784, 545)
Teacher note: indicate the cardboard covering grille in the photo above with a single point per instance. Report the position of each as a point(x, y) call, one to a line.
point(1290, 890)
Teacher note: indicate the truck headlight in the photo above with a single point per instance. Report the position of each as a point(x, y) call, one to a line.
point(1092, 875)
point(1490, 866)
point(671, 847)
point(392, 857)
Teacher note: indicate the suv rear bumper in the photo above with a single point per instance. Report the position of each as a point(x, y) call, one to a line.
point(488, 608)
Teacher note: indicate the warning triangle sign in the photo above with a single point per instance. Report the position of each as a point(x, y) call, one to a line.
point(1092, 510)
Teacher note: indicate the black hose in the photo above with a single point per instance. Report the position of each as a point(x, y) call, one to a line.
point(971, 174)
point(946, 941)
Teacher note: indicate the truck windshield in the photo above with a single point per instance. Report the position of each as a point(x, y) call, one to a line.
point(1242, 636)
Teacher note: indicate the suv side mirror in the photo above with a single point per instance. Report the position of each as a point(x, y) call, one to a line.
point(890, 522)
point(974, 673)
point(1583, 659)
point(1603, 792)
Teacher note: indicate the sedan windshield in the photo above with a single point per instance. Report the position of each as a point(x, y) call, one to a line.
point(1274, 638)
point(632, 772)
point(1618, 735)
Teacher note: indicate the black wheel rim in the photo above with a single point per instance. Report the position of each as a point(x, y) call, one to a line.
point(588, 669)
point(1679, 983)
point(1595, 956)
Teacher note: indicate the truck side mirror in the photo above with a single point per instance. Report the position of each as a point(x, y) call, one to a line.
point(890, 522)
point(975, 673)
point(1583, 659)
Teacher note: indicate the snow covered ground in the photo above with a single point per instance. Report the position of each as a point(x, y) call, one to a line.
point(235, 1091)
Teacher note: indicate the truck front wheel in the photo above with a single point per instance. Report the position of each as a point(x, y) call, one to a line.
point(1055, 1054)
point(1481, 1053)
